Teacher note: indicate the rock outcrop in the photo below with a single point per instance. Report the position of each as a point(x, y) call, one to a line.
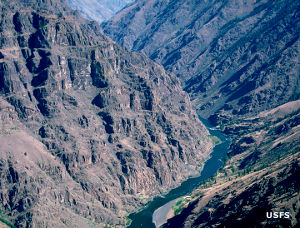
point(89, 131)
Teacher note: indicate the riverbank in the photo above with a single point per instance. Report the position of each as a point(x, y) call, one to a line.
point(167, 211)
point(144, 218)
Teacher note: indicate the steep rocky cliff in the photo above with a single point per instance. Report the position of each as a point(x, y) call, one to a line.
point(98, 10)
point(234, 57)
point(89, 131)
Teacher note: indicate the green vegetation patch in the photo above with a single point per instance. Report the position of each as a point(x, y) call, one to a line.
point(8, 223)
point(128, 221)
point(181, 204)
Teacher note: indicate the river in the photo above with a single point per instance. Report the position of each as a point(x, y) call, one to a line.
point(144, 217)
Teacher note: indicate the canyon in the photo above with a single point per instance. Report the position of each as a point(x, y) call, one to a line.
point(239, 62)
point(89, 131)
point(92, 129)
